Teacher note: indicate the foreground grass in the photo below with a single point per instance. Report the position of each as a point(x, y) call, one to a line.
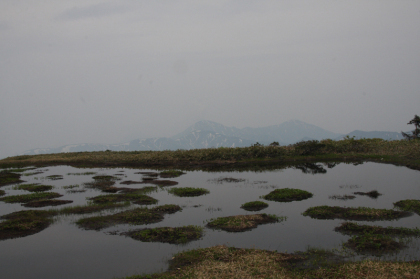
point(228, 262)
point(404, 152)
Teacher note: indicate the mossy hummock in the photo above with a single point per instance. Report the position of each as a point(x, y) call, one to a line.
point(287, 195)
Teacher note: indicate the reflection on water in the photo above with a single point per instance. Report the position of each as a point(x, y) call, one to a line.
point(65, 251)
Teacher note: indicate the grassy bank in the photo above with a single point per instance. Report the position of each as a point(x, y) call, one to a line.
point(400, 152)
point(229, 262)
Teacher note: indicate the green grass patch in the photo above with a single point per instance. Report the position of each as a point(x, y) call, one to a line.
point(167, 208)
point(409, 205)
point(81, 173)
point(240, 223)
point(71, 186)
point(171, 173)
point(254, 205)
point(373, 243)
point(138, 216)
point(354, 228)
point(177, 235)
point(30, 197)
point(54, 177)
point(7, 178)
point(135, 197)
point(287, 195)
point(342, 197)
point(23, 223)
point(33, 187)
point(2, 193)
point(372, 194)
point(188, 192)
point(90, 208)
point(21, 169)
point(106, 178)
point(353, 213)
point(99, 184)
point(33, 173)
point(46, 202)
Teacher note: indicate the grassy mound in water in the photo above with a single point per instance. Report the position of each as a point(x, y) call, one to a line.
point(29, 197)
point(33, 187)
point(135, 197)
point(188, 192)
point(178, 235)
point(241, 223)
point(354, 228)
point(254, 205)
point(7, 178)
point(171, 173)
point(137, 216)
point(24, 223)
point(287, 195)
point(409, 205)
point(353, 213)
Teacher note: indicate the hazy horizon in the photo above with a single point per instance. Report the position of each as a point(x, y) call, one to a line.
point(111, 71)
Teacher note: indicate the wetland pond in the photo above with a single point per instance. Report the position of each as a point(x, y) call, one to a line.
point(66, 249)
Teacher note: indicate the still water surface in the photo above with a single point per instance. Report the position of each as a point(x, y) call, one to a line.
point(65, 251)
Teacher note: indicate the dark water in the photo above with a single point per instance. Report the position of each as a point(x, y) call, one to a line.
point(65, 251)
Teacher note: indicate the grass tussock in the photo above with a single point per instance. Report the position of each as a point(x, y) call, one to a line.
point(177, 235)
point(409, 205)
point(372, 194)
point(54, 177)
point(90, 208)
point(137, 216)
point(342, 197)
point(354, 228)
point(30, 197)
point(33, 187)
point(254, 206)
point(188, 192)
point(287, 195)
point(373, 243)
point(241, 223)
point(135, 197)
point(7, 178)
point(24, 223)
point(171, 173)
point(353, 213)
point(46, 202)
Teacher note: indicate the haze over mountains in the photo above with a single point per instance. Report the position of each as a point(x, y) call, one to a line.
point(207, 134)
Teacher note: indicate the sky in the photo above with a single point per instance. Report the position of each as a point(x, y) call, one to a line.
point(96, 71)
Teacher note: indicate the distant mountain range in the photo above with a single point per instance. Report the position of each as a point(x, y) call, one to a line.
point(207, 134)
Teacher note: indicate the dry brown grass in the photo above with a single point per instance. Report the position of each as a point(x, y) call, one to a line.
point(224, 262)
point(371, 270)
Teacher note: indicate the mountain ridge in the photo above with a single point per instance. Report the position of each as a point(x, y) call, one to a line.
point(208, 134)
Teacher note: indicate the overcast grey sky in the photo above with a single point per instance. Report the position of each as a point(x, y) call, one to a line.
point(97, 71)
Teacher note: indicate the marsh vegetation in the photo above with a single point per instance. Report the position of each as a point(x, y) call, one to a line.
point(219, 216)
